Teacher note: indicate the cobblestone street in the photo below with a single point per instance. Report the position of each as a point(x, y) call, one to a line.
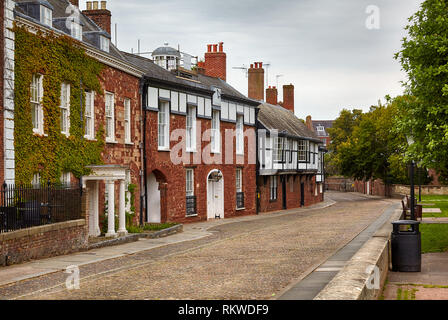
point(254, 259)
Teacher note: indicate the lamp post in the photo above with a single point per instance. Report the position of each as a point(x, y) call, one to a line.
point(411, 176)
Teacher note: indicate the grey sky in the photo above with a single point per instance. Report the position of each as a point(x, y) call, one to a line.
point(321, 46)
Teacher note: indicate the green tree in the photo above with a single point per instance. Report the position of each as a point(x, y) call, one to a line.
point(424, 57)
point(343, 127)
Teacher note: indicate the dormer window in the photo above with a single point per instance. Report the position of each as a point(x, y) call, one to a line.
point(46, 16)
point(321, 129)
point(104, 43)
point(76, 30)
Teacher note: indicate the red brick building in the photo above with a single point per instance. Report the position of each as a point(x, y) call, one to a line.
point(117, 109)
point(290, 166)
point(199, 141)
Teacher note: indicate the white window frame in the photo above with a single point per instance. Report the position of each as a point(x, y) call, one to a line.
point(215, 137)
point(277, 149)
point(104, 43)
point(239, 180)
point(163, 126)
point(65, 109)
point(273, 186)
point(46, 16)
point(191, 129)
point(66, 179)
point(302, 149)
point(127, 121)
point(36, 180)
point(90, 115)
point(189, 182)
point(37, 90)
point(110, 117)
point(76, 30)
point(128, 182)
point(239, 134)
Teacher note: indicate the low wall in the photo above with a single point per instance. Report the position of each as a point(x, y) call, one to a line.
point(43, 242)
point(351, 283)
point(399, 189)
point(339, 184)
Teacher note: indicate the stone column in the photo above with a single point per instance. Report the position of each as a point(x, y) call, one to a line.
point(110, 185)
point(96, 214)
point(122, 227)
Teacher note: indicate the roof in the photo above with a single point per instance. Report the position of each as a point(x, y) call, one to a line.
point(327, 124)
point(157, 73)
point(60, 11)
point(274, 117)
point(166, 51)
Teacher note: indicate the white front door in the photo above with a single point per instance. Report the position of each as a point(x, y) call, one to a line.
point(215, 199)
point(154, 215)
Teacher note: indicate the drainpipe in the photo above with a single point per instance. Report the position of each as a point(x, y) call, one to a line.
point(143, 187)
point(82, 127)
point(257, 167)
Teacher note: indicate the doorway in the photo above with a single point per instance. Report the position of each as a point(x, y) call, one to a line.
point(154, 212)
point(215, 195)
point(302, 194)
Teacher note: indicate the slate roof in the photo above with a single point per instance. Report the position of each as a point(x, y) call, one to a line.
point(274, 117)
point(59, 11)
point(327, 124)
point(155, 72)
point(166, 51)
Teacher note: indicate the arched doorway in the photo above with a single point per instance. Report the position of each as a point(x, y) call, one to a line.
point(215, 195)
point(156, 188)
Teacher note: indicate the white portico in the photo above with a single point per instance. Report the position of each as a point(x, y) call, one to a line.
point(109, 174)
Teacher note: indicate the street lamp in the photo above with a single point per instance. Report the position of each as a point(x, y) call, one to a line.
point(410, 143)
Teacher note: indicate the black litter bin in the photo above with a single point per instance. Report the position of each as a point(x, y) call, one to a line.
point(406, 246)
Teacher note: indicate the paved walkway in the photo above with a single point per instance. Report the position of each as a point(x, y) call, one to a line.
point(430, 284)
point(245, 258)
point(315, 282)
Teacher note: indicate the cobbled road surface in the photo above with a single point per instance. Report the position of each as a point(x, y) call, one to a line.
point(254, 259)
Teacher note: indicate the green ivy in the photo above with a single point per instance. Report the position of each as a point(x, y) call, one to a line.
point(59, 60)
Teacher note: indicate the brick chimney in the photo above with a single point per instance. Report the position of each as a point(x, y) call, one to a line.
point(216, 61)
point(99, 14)
point(256, 81)
point(288, 97)
point(75, 2)
point(201, 67)
point(309, 123)
point(272, 95)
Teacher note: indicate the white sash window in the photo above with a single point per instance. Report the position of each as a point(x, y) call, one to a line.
point(164, 126)
point(127, 120)
point(110, 117)
point(90, 115)
point(65, 109)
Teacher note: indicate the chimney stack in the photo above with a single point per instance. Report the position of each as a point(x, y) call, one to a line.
point(201, 67)
point(256, 81)
point(215, 64)
point(272, 95)
point(99, 14)
point(75, 3)
point(288, 97)
point(309, 123)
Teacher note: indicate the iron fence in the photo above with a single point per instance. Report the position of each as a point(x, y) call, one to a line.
point(26, 206)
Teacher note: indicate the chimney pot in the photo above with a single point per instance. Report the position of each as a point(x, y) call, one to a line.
point(260, 64)
point(103, 5)
point(95, 5)
point(215, 48)
point(221, 46)
point(209, 48)
point(89, 5)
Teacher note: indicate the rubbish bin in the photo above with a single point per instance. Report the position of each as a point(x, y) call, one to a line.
point(406, 247)
point(419, 212)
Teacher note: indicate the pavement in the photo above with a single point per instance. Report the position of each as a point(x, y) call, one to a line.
point(430, 284)
point(254, 257)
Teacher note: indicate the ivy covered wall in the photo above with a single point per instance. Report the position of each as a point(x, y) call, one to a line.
point(58, 60)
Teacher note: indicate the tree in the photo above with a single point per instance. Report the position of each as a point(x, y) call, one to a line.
point(343, 127)
point(424, 57)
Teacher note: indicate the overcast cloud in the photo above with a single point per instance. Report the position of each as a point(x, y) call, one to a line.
point(320, 46)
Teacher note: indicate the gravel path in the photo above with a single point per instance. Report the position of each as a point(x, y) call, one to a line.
point(248, 260)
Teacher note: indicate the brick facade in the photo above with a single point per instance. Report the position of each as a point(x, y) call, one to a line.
point(293, 192)
point(122, 85)
point(172, 177)
point(102, 17)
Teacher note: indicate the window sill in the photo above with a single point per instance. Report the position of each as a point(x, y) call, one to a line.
point(240, 209)
point(111, 142)
point(129, 143)
point(163, 149)
point(273, 200)
point(191, 150)
point(240, 154)
point(40, 134)
point(90, 138)
point(191, 215)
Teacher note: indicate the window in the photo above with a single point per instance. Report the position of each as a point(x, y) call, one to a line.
point(104, 43)
point(291, 149)
point(274, 187)
point(110, 117)
point(216, 133)
point(36, 180)
point(65, 109)
point(90, 115)
point(46, 16)
point(37, 113)
point(191, 129)
point(127, 121)
point(320, 130)
point(302, 150)
point(239, 134)
point(278, 149)
point(191, 199)
point(164, 126)
point(76, 30)
point(66, 179)
point(239, 189)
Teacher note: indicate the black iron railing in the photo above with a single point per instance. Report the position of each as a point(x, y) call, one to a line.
point(240, 200)
point(26, 206)
point(191, 206)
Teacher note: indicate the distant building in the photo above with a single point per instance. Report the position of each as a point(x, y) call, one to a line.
point(320, 127)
